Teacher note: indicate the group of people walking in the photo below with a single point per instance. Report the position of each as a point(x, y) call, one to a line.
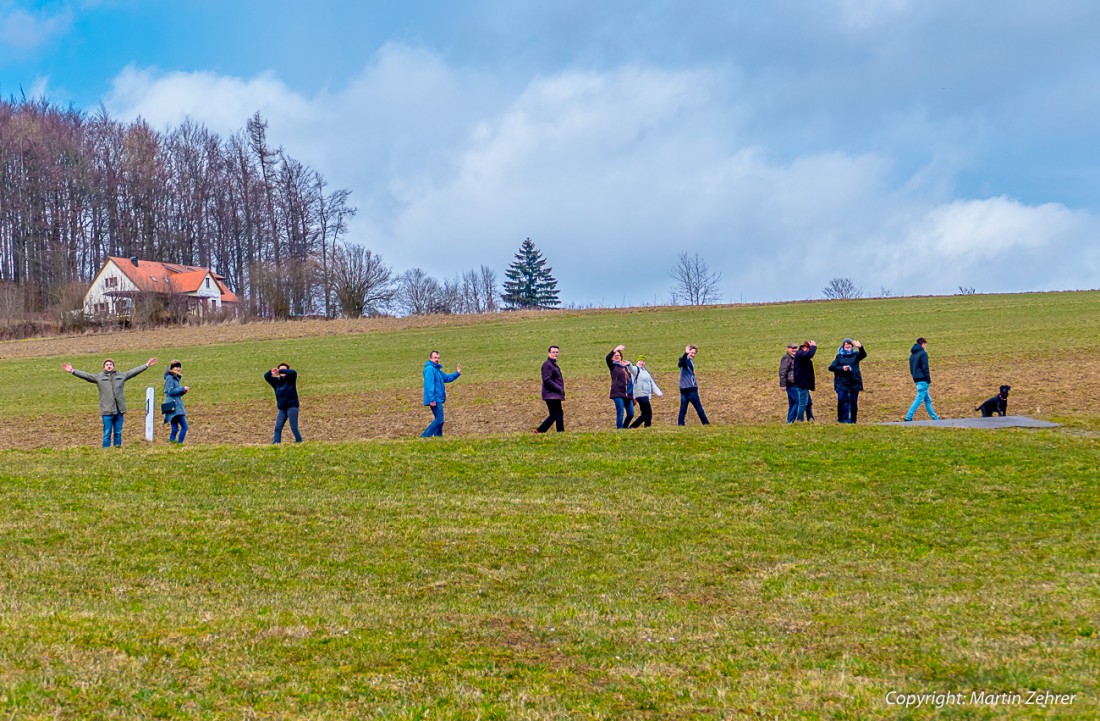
point(632, 385)
point(796, 377)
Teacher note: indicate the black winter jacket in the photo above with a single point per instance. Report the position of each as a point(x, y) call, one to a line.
point(850, 380)
point(286, 388)
point(918, 364)
point(804, 369)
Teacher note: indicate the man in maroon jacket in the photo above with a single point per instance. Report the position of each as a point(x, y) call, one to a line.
point(553, 392)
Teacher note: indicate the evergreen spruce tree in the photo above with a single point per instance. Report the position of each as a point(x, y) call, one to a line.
point(529, 284)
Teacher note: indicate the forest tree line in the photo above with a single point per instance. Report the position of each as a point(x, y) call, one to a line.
point(77, 188)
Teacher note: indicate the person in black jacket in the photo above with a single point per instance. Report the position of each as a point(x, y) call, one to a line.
point(918, 368)
point(786, 382)
point(285, 382)
point(553, 392)
point(804, 380)
point(848, 379)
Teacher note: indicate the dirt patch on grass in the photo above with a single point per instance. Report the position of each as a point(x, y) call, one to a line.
point(1046, 384)
point(501, 407)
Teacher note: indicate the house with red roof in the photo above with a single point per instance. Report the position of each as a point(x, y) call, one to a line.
point(122, 280)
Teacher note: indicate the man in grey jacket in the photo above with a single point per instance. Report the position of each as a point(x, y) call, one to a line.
point(112, 399)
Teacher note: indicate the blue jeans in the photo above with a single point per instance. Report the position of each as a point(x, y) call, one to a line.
point(922, 397)
point(290, 414)
point(847, 405)
point(691, 395)
point(804, 410)
point(112, 425)
point(620, 411)
point(435, 428)
point(792, 406)
point(179, 425)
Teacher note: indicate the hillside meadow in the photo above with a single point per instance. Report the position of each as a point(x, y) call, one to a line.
point(676, 574)
point(362, 379)
point(745, 570)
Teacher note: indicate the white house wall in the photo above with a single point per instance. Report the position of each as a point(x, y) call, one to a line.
point(98, 292)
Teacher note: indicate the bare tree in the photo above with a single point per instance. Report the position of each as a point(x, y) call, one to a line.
point(964, 290)
point(363, 284)
point(842, 289)
point(478, 292)
point(419, 293)
point(884, 292)
point(693, 281)
point(11, 305)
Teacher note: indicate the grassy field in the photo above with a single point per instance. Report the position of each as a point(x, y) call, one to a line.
point(749, 569)
point(362, 380)
point(676, 574)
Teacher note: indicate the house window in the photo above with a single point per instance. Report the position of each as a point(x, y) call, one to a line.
point(208, 283)
point(110, 282)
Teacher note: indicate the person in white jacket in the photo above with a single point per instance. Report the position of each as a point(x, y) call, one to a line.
point(644, 388)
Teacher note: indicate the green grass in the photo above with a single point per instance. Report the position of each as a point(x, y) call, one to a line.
point(1024, 331)
point(735, 572)
point(727, 572)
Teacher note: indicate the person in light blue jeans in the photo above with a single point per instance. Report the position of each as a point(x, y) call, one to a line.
point(435, 392)
point(112, 397)
point(918, 368)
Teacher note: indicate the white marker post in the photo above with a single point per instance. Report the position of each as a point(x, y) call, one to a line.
point(150, 399)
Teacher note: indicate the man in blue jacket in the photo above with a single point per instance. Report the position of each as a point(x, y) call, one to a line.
point(435, 392)
point(918, 368)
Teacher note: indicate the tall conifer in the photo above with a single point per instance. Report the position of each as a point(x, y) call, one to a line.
point(529, 284)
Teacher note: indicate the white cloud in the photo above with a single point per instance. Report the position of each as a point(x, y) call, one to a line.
point(612, 173)
point(221, 103)
point(866, 14)
point(22, 31)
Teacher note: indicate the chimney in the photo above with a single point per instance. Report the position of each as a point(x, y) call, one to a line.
point(134, 260)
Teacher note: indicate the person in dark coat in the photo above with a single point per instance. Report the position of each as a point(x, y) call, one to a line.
point(804, 379)
point(174, 391)
point(847, 379)
point(918, 369)
point(689, 387)
point(620, 379)
point(786, 382)
point(284, 380)
point(553, 392)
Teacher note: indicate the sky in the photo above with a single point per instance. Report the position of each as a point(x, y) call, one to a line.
point(914, 146)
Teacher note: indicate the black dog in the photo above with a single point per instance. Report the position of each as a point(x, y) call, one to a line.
point(997, 404)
